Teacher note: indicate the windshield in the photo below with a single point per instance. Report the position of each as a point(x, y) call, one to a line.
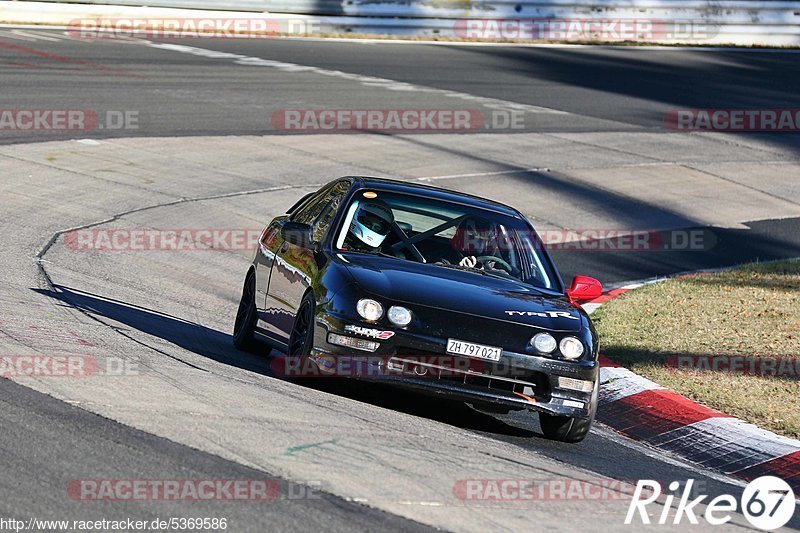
point(445, 234)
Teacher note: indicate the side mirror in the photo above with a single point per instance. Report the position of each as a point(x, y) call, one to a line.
point(297, 233)
point(584, 289)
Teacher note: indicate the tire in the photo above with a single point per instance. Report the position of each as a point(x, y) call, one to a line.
point(570, 429)
point(302, 338)
point(245, 326)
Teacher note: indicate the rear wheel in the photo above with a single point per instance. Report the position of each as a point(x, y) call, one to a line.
point(245, 326)
point(567, 428)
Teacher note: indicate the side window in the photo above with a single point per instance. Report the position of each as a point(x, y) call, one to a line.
point(299, 203)
point(330, 207)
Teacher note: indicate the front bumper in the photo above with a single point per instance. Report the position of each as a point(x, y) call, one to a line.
point(420, 363)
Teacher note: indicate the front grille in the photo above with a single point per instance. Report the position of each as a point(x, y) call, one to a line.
point(472, 372)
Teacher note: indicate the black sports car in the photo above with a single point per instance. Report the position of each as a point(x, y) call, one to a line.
point(428, 289)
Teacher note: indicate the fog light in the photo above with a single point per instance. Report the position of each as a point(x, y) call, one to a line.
point(369, 309)
point(544, 342)
point(575, 384)
point(570, 347)
point(399, 316)
point(351, 342)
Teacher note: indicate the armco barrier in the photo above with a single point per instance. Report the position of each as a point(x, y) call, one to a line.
point(746, 22)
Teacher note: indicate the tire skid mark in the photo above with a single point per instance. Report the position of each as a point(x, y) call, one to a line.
point(86, 65)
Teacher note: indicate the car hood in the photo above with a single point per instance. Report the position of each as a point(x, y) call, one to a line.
point(446, 289)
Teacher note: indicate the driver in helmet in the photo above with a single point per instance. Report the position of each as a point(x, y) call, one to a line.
point(371, 223)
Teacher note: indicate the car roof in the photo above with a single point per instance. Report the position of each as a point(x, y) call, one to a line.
point(391, 185)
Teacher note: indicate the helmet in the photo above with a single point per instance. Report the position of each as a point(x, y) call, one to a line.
point(475, 236)
point(372, 222)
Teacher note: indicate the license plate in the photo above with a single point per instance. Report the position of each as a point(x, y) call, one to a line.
point(479, 351)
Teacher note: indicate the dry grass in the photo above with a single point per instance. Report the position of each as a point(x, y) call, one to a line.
point(752, 311)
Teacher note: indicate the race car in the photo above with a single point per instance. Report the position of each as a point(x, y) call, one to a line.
point(437, 291)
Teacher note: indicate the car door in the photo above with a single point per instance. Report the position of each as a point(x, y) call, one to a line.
point(268, 245)
point(295, 266)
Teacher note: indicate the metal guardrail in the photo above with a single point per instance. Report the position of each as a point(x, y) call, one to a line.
point(764, 22)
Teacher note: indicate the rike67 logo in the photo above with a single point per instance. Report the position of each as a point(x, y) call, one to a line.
point(767, 503)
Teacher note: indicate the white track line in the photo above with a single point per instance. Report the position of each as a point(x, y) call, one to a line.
point(38, 36)
point(483, 174)
point(369, 81)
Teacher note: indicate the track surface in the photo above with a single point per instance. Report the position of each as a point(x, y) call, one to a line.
point(73, 440)
point(593, 155)
point(622, 89)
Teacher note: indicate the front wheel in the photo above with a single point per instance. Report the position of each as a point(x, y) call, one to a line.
point(302, 338)
point(567, 428)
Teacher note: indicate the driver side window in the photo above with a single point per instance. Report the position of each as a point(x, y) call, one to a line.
point(330, 205)
point(310, 211)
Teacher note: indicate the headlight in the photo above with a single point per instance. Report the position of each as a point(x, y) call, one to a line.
point(399, 316)
point(543, 342)
point(369, 309)
point(570, 347)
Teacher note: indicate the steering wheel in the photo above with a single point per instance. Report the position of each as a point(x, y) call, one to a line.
point(499, 262)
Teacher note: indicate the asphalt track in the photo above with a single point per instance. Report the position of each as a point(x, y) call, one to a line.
point(593, 154)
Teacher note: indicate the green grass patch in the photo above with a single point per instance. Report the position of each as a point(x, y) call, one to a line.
point(752, 311)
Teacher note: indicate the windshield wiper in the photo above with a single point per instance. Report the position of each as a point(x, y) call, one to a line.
point(382, 254)
point(507, 277)
point(478, 271)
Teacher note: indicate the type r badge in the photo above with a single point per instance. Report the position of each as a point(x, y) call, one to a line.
point(551, 314)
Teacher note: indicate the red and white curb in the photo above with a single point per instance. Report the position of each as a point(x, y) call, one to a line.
point(645, 411)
